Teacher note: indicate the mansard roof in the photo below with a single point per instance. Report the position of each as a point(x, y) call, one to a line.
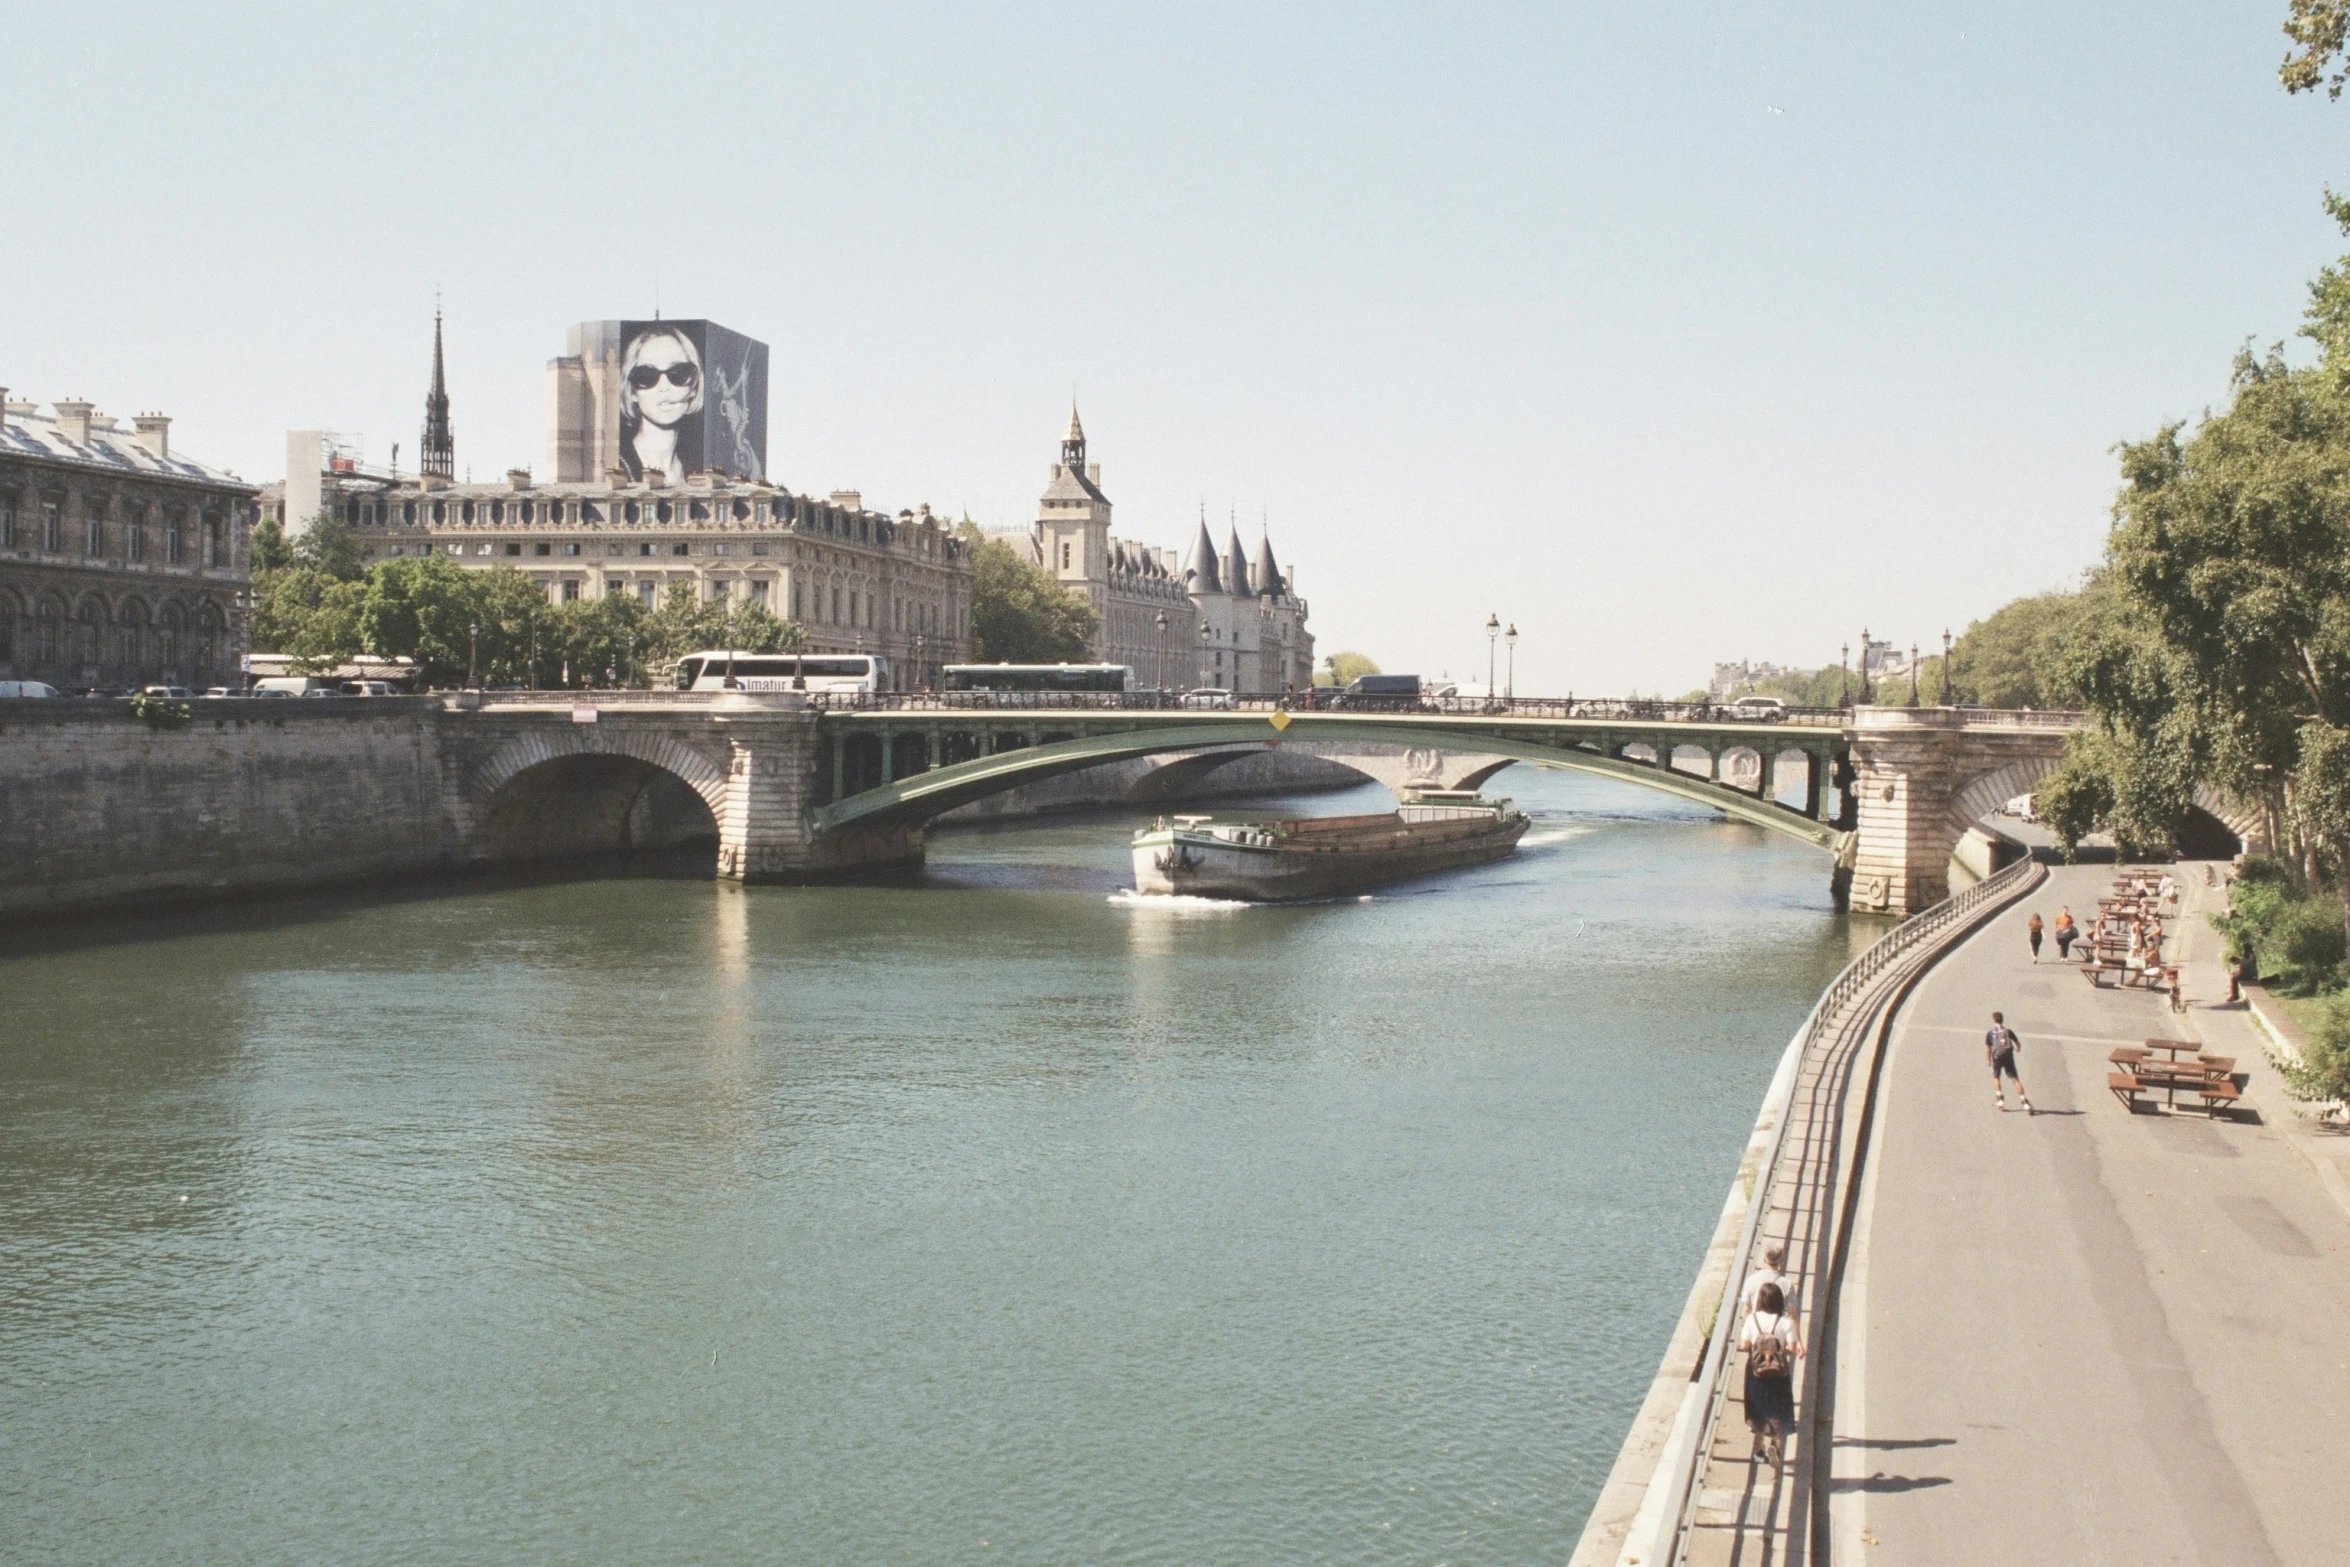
point(31, 433)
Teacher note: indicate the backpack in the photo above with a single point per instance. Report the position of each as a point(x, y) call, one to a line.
point(1768, 1357)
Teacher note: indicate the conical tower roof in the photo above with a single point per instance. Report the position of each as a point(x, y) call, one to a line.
point(1236, 567)
point(1269, 581)
point(1205, 575)
point(439, 448)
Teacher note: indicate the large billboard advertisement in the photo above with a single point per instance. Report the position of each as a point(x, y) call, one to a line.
point(693, 398)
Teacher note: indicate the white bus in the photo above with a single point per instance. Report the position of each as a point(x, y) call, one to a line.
point(816, 672)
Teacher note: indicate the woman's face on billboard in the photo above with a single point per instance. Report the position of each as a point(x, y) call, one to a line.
point(665, 379)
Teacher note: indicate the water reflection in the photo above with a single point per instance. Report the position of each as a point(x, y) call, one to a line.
point(662, 1220)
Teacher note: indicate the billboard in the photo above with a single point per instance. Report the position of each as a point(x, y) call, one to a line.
point(693, 398)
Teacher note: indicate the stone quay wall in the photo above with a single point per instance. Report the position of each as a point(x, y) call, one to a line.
point(99, 809)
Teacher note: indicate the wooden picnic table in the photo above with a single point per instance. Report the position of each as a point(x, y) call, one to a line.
point(2212, 1079)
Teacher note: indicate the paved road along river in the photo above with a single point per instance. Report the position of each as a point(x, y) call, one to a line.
point(990, 1217)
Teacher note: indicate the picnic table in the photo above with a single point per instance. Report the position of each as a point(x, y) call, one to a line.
point(2213, 1079)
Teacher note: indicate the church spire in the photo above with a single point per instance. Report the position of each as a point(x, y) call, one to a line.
point(1073, 444)
point(439, 446)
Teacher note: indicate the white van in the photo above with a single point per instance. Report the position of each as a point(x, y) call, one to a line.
point(292, 685)
point(25, 688)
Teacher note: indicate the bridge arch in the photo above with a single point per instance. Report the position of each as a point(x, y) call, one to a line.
point(931, 793)
point(562, 794)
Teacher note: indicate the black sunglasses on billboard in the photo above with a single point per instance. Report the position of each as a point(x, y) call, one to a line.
point(645, 377)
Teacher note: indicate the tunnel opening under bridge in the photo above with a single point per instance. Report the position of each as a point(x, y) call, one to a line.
point(600, 807)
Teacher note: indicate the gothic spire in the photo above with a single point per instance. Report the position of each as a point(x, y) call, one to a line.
point(439, 447)
point(1073, 444)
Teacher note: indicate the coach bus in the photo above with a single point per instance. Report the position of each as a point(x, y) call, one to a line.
point(1037, 677)
point(817, 672)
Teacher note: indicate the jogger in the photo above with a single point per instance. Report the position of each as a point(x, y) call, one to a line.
point(2003, 1047)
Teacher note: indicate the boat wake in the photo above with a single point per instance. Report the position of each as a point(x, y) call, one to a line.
point(1175, 902)
point(1542, 837)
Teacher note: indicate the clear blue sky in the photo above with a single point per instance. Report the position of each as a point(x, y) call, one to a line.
point(1668, 332)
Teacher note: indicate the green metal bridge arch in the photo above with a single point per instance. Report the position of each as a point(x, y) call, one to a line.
point(1086, 738)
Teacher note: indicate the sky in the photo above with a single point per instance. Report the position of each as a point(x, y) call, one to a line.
point(1666, 333)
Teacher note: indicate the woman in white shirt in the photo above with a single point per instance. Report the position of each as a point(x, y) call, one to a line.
point(1773, 1345)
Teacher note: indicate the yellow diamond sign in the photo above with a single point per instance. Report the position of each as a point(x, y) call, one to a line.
point(1280, 719)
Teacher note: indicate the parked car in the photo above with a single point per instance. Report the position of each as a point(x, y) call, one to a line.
point(26, 688)
point(366, 688)
point(168, 693)
point(211, 691)
point(1208, 697)
point(1759, 709)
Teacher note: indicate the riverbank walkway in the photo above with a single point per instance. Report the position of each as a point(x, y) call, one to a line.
point(2089, 1335)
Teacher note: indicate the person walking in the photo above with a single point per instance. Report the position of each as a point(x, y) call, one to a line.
point(1772, 1271)
point(2003, 1047)
point(2032, 934)
point(1772, 1345)
point(2066, 933)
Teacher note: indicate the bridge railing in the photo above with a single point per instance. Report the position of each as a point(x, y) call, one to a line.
point(1633, 709)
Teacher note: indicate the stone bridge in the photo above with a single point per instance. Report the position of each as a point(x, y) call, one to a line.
point(794, 791)
point(99, 808)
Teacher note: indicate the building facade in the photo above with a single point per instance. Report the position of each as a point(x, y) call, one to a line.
point(1151, 610)
point(854, 580)
point(121, 563)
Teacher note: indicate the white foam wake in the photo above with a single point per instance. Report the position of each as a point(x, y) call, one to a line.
point(1175, 902)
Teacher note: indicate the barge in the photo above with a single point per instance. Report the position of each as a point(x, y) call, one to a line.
point(1323, 856)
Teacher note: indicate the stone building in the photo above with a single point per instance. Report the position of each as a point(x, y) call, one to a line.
point(1256, 642)
point(121, 564)
point(855, 580)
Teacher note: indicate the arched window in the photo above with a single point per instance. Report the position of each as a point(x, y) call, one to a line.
point(134, 642)
point(169, 632)
point(205, 655)
point(50, 622)
point(174, 527)
point(89, 627)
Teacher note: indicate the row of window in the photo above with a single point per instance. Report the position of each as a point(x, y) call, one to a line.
point(854, 527)
point(129, 644)
point(46, 530)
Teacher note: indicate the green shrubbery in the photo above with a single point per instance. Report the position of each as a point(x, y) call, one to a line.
point(2323, 1072)
point(2285, 931)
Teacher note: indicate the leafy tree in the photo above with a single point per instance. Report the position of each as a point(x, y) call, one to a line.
point(2323, 1072)
point(325, 545)
point(268, 548)
point(421, 608)
point(1341, 669)
point(1020, 614)
point(2013, 657)
point(2320, 29)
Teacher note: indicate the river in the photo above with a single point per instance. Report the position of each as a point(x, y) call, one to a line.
point(990, 1217)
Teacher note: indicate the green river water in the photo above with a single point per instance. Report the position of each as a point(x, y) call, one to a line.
point(991, 1217)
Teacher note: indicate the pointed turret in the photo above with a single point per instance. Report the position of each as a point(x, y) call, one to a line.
point(439, 446)
point(1236, 567)
point(1268, 573)
point(1205, 576)
point(1073, 443)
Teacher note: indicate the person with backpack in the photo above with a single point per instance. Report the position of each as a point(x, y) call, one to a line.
point(2066, 933)
point(2003, 1047)
point(1772, 1345)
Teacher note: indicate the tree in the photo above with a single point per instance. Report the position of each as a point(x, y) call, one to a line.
point(2219, 649)
point(325, 545)
point(1020, 614)
point(2320, 29)
point(267, 547)
point(2013, 657)
point(422, 608)
point(1341, 669)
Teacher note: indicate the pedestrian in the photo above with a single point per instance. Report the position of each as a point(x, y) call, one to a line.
point(2032, 934)
point(2178, 997)
point(2240, 972)
point(1772, 1345)
point(2003, 1047)
point(2066, 933)
point(1772, 1271)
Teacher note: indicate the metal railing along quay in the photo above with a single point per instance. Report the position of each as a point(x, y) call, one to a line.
point(1803, 1194)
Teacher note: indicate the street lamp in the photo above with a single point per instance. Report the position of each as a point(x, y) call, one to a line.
point(1492, 634)
point(921, 662)
point(533, 620)
point(1844, 675)
point(1864, 666)
point(1913, 674)
point(472, 655)
point(1511, 637)
point(1945, 666)
point(1204, 635)
point(1162, 654)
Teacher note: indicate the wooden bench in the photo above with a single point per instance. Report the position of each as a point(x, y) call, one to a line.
point(2126, 1088)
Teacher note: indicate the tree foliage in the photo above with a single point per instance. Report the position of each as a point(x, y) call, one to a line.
point(1020, 614)
point(1341, 669)
point(2015, 657)
point(2320, 30)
